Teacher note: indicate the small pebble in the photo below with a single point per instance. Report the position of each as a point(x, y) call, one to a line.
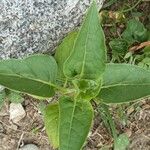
point(17, 112)
point(29, 147)
point(1, 88)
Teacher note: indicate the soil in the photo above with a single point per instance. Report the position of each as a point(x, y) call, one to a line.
point(31, 128)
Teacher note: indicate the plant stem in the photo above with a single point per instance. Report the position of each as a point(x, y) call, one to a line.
point(126, 10)
point(65, 84)
point(109, 3)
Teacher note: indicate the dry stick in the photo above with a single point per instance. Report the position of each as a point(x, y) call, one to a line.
point(21, 137)
point(137, 47)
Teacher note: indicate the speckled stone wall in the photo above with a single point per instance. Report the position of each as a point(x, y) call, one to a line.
point(37, 26)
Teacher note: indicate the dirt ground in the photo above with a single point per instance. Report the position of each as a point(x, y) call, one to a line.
point(31, 128)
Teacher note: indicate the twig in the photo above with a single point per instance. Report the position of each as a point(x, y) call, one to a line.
point(21, 137)
point(137, 47)
point(3, 115)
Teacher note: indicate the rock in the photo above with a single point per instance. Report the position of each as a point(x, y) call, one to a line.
point(33, 26)
point(1, 88)
point(29, 147)
point(17, 112)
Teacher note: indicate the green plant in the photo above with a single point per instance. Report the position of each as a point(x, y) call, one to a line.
point(135, 32)
point(78, 73)
point(121, 141)
point(144, 59)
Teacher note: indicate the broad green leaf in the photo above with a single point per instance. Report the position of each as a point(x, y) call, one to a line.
point(124, 83)
point(63, 51)
point(87, 59)
point(135, 31)
point(51, 120)
point(34, 75)
point(86, 62)
point(122, 142)
point(75, 122)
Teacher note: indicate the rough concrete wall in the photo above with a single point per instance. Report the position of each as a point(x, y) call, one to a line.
point(37, 26)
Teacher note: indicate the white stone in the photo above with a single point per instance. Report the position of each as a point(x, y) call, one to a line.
point(29, 147)
point(1, 88)
point(16, 112)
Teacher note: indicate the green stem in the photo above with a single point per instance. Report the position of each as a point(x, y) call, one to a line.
point(109, 3)
point(126, 10)
point(65, 84)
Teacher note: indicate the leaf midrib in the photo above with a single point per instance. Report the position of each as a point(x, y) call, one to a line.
point(19, 76)
point(84, 57)
point(85, 47)
point(70, 127)
point(109, 86)
point(81, 74)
